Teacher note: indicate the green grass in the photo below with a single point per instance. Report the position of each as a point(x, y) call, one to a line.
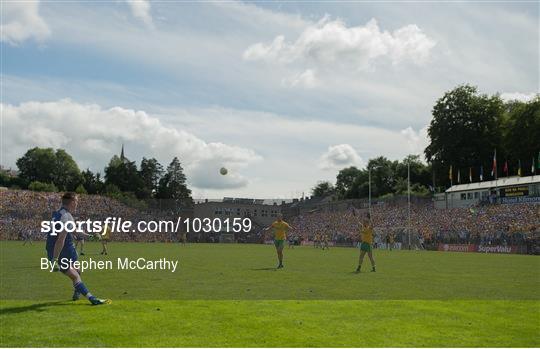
point(231, 295)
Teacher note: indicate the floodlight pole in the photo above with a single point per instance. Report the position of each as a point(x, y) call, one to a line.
point(409, 197)
point(369, 186)
point(369, 195)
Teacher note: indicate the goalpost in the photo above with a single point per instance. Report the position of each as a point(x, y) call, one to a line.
point(403, 238)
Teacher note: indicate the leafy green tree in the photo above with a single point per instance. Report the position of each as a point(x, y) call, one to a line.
point(323, 189)
point(37, 164)
point(348, 182)
point(47, 166)
point(92, 182)
point(420, 172)
point(40, 186)
point(521, 131)
point(464, 131)
point(383, 175)
point(124, 174)
point(173, 184)
point(150, 172)
point(66, 174)
point(81, 190)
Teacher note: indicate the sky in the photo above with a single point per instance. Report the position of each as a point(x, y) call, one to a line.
point(282, 94)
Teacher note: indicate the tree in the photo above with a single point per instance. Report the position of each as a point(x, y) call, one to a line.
point(464, 131)
point(150, 172)
point(521, 132)
point(173, 184)
point(420, 172)
point(81, 190)
point(66, 174)
point(323, 189)
point(123, 173)
point(37, 164)
point(348, 182)
point(47, 166)
point(40, 186)
point(383, 175)
point(91, 182)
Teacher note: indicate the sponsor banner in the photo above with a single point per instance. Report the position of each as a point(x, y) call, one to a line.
point(457, 248)
point(514, 191)
point(519, 199)
point(478, 248)
point(497, 249)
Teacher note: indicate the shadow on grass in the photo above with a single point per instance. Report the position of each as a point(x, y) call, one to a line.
point(39, 307)
point(259, 269)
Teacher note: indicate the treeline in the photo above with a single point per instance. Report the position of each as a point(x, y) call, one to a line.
point(466, 130)
point(388, 178)
point(46, 169)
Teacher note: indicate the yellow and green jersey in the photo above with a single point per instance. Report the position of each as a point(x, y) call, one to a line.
point(366, 234)
point(106, 235)
point(280, 230)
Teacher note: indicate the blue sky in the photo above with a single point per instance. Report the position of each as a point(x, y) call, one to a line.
point(282, 94)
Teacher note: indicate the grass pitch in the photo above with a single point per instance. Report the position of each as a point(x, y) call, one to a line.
point(232, 295)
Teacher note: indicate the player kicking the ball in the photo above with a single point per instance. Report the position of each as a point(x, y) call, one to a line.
point(61, 248)
point(366, 242)
point(280, 235)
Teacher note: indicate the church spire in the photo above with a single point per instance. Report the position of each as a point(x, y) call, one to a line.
point(122, 153)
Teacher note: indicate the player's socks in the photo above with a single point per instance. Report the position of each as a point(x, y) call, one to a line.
point(81, 289)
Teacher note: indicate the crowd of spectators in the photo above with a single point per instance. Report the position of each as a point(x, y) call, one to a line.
point(22, 211)
point(21, 214)
point(486, 224)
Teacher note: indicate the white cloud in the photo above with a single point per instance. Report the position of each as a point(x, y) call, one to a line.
point(339, 156)
point(21, 21)
point(307, 79)
point(518, 96)
point(357, 48)
point(141, 10)
point(417, 140)
point(92, 135)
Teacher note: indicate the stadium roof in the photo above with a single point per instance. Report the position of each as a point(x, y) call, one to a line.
point(499, 183)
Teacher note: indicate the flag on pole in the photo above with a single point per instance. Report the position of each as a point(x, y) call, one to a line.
point(458, 176)
point(505, 168)
point(532, 166)
point(519, 168)
point(481, 173)
point(450, 173)
point(470, 174)
point(494, 166)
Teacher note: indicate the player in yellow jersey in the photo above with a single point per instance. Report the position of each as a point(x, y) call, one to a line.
point(280, 228)
point(366, 237)
point(105, 237)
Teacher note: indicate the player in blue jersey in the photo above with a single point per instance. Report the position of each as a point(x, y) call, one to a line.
point(61, 249)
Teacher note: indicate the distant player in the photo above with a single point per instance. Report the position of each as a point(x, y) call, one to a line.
point(105, 238)
point(60, 248)
point(324, 242)
point(366, 241)
point(27, 237)
point(291, 241)
point(184, 238)
point(79, 240)
point(280, 228)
